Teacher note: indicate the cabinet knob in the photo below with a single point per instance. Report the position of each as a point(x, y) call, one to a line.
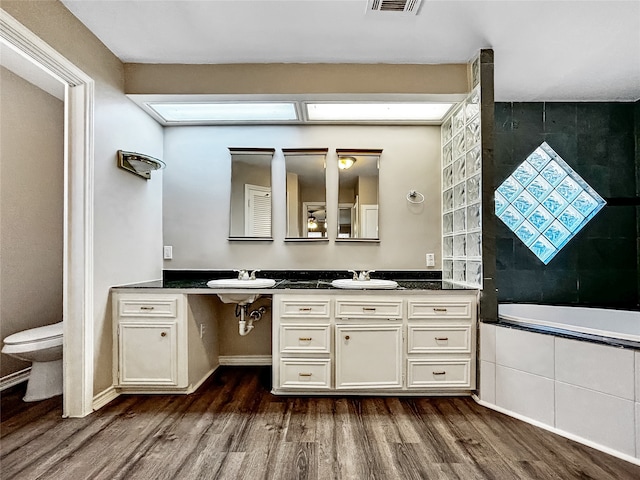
point(163, 334)
point(347, 337)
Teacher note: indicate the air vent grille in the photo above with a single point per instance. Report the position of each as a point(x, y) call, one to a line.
point(402, 6)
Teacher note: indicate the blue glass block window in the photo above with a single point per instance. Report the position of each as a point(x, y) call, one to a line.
point(545, 202)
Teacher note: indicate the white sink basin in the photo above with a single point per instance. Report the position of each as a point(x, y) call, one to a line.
point(240, 298)
point(374, 284)
point(235, 283)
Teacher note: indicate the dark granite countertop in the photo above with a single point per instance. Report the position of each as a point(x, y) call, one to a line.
point(298, 280)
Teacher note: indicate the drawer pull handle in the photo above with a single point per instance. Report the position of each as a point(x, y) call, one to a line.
point(347, 337)
point(439, 309)
point(368, 309)
point(442, 339)
point(304, 374)
point(163, 334)
point(305, 339)
point(146, 308)
point(440, 373)
point(305, 309)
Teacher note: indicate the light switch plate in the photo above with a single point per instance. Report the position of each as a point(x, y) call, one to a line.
point(167, 252)
point(430, 259)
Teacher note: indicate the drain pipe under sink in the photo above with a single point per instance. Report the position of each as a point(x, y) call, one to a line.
point(245, 326)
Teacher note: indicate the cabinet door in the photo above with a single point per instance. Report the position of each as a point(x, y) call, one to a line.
point(148, 354)
point(368, 356)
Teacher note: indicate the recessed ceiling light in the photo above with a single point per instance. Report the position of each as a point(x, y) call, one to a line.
point(224, 112)
point(378, 111)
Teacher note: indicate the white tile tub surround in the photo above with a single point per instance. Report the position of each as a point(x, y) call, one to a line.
point(587, 392)
point(526, 394)
point(488, 342)
point(487, 390)
point(487, 382)
point(604, 419)
point(637, 429)
point(526, 351)
point(596, 367)
point(637, 376)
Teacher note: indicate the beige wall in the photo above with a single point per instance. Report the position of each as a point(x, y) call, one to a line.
point(294, 79)
point(128, 216)
point(197, 189)
point(31, 209)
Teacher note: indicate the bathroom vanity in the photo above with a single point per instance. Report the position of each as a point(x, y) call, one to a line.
point(374, 343)
point(323, 340)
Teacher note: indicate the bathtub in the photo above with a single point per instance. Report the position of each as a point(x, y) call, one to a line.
point(608, 323)
point(572, 370)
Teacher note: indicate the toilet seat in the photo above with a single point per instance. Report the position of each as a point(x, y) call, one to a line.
point(39, 338)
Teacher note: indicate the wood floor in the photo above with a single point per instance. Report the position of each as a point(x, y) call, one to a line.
point(233, 428)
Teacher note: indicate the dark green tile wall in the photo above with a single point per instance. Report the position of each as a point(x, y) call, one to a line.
point(600, 141)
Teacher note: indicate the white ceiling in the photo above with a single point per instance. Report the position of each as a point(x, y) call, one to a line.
point(544, 50)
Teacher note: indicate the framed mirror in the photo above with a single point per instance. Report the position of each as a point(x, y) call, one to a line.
point(306, 193)
point(250, 205)
point(358, 196)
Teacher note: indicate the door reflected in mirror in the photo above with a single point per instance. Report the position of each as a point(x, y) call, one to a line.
point(250, 205)
point(358, 175)
point(306, 193)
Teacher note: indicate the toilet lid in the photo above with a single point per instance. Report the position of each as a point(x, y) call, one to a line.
point(35, 334)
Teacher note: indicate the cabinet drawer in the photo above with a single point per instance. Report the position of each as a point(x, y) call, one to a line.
point(368, 309)
point(430, 339)
point(439, 309)
point(438, 373)
point(161, 307)
point(311, 374)
point(304, 339)
point(304, 308)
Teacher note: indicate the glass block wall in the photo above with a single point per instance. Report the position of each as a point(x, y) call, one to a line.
point(545, 202)
point(461, 190)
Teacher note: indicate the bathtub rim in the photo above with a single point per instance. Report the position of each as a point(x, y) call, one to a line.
point(553, 328)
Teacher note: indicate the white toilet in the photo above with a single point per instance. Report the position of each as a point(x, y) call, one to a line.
point(43, 347)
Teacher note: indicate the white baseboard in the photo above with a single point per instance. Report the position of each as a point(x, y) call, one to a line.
point(193, 388)
point(15, 378)
point(557, 431)
point(104, 397)
point(245, 360)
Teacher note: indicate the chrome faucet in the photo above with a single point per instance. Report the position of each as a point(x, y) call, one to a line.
point(253, 275)
point(242, 274)
point(363, 276)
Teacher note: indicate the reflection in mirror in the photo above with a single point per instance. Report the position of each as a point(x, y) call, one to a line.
point(250, 193)
point(306, 193)
point(358, 194)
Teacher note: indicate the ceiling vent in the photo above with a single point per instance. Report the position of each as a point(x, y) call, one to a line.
point(409, 7)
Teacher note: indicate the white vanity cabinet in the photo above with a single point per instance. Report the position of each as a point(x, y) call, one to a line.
point(368, 343)
point(150, 342)
point(302, 342)
point(372, 342)
point(441, 342)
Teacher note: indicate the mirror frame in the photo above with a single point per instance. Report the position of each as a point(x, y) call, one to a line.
point(250, 151)
point(303, 152)
point(357, 152)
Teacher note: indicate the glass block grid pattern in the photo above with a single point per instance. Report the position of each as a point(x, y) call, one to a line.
point(546, 203)
point(461, 192)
